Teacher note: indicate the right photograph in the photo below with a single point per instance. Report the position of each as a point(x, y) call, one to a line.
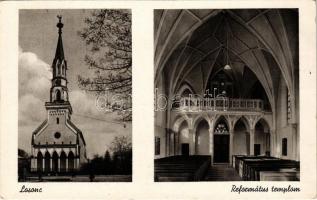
point(226, 95)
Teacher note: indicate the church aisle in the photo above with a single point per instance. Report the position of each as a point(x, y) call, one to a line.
point(222, 172)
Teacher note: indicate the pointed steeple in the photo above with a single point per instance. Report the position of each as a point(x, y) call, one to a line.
point(59, 91)
point(59, 55)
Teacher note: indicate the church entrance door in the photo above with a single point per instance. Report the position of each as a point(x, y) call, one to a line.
point(221, 148)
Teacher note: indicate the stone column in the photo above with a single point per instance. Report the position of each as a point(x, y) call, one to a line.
point(51, 164)
point(298, 143)
point(272, 142)
point(194, 142)
point(294, 141)
point(231, 146)
point(59, 164)
point(66, 164)
point(167, 143)
point(34, 164)
point(191, 140)
point(211, 142)
point(77, 163)
point(43, 164)
point(176, 143)
point(252, 142)
point(172, 143)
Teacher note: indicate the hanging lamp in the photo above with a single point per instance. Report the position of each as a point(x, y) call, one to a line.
point(227, 66)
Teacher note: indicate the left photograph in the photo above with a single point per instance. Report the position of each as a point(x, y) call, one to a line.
point(75, 96)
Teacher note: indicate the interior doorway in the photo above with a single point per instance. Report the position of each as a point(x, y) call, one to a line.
point(185, 149)
point(221, 148)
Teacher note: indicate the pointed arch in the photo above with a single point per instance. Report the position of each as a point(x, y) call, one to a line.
point(264, 123)
point(58, 95)
point(63, 69)
point(55, 162)
point(63, 162)
point(262, 137)
point(221, 120)
point(47, 161)
point(185, 88)
point(57, 68)
point(39, 161)
point(202, 136)
point(60, 69)
point(198, 119)
point(71, 161)
point(244, 121)
point(179, 120)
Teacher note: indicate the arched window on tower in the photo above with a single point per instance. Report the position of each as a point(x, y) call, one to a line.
point(63, 69)
point(65, 96)
point(58, 95)
point(57, 68)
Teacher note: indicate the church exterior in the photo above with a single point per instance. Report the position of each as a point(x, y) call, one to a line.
point(57, 144)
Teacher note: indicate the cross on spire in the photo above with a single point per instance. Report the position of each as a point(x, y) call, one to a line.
point(60, 24)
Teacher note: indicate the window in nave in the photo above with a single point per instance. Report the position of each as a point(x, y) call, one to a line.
point(221, 129)
point(284, 146)
point(157, 146)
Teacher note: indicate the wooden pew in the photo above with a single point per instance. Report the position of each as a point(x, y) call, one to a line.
point(239, 162)
point(284, 175)
point(181, 168)
point(271, 165)
point(250, 166)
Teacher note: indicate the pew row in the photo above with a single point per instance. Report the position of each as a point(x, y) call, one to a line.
point(264, 168)
point(181, 168)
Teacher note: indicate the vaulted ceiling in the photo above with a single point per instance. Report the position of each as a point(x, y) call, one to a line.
point(259, 45)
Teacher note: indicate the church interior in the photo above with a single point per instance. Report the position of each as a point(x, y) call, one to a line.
point(226, 95)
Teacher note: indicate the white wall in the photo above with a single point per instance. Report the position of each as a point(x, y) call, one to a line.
point(283, 128)
point(240, 142)
point(261, 138)
point(160, 123)
point(202, 139)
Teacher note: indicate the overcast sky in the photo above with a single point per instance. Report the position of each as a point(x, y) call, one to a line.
point(37, 45)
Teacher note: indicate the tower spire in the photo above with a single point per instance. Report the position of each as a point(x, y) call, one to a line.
point(59, 55)
point(59, 91)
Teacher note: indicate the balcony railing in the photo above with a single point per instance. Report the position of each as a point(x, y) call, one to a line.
point(217, 104)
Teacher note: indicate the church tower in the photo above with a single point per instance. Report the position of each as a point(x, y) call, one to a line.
point(59, 91)
point(58, 146)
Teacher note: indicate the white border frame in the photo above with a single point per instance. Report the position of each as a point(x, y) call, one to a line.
point(143, 185)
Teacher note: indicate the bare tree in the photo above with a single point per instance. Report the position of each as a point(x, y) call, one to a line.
point(121, 148)
point(107, 34)
point(121, 144)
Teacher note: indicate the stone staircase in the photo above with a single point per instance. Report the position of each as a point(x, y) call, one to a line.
point(222, 172)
